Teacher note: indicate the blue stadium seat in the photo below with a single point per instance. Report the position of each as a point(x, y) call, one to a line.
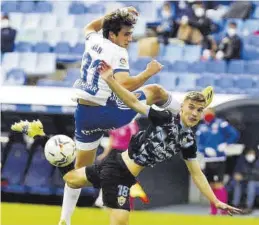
point(38, 176)
point(192, 53)
point(76, 8)
point(23, 47)
point(15, 77)
point(251, 67)
point(97, 8)
point(173, 53)
point(168, 80)
point(72, 74)
point(11, 60)
point(141, 63)
point(256, 12)
point(236, 67)
point(42, 47)
point(57, 182)
point(187, 82)
point(250, 52)
point(197, 67)
point(62, 48)
point(245, 82)
point(78, 50)
point(9, 6)
point(14, 167)
point(206, 80)
point(43, 7)
point(27, 7)
point(254, 40)
point(179, 66)
point(133, 50)
point(225, 82)
point(216, 67)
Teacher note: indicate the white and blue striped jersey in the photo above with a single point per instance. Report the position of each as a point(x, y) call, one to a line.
point(91, 86)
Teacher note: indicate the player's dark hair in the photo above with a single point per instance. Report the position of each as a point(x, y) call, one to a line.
point(195, 96)
point(116, 20)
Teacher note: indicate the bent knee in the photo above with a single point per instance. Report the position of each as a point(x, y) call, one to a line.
point(75, 178)
point(155, 93)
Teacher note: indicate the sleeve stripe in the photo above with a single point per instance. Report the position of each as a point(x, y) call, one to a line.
point(120, 70)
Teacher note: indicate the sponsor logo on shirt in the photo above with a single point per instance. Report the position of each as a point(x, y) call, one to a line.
point(123, 62)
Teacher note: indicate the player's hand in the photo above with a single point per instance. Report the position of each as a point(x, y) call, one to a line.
point(105, 70)
point(229, 209)
point(154, 67)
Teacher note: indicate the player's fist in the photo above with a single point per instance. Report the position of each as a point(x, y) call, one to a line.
point(154, 67)
point(105, 70)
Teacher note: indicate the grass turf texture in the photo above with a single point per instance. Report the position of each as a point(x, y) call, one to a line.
point(25, 214)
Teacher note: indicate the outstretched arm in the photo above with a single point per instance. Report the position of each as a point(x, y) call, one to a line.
point(203, 185)
point(126, 96)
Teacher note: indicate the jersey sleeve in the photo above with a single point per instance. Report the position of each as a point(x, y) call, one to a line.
point(120, 62)
point(159, 117)
point(190, 152)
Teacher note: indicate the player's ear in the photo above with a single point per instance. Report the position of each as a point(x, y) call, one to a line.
point(111, 35)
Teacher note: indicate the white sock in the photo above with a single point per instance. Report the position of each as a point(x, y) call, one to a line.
point(171, 104)
point(70, 199)
point(99, 200)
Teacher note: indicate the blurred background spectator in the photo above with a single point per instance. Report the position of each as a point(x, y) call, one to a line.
point(230, 45)
point(246, 179)
point(212, 137)
point(8, 35)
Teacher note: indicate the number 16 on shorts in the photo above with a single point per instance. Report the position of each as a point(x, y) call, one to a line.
point(123, 194)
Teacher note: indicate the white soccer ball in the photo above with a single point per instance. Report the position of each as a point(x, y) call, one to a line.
point(60, 150)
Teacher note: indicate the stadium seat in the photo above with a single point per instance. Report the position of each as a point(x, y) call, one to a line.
point(206, 80)
point(179, 66)
point(254, 40)
point(225, 82)
point(70, 36)
point(80, 21)
point(76, 8)
point(133, 50)
point(26, 7)
point(140, 28)
point(78, 50)
point(60, 8)
point(66, 23)
point(15, 166)
point(245, 82)
point(9, 6)
point(97, 8)
point(192, 53)
point(28, 62)
point(197, 67)
point(23, 47)
point(251, 67)
point(42, 47)
point(43, 7)
point(62, 48)
point(16, 20)
point(168, 80)
point(72, 74)
point(29, 36)
point(52, 37)
point(216, 67)
point(236, 67)
point(15, 77)
point(11, 60)
point(141, 63)
point(38, 176)
point(48, 21)
point(173, 53)
point(46, 63)
point(250, 26)
point(57, 182)
point(53, 83)
point(256, 13)
point(187, 82)
point(31, 21)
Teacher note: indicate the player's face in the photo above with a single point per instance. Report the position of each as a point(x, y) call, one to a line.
point(191, 112)
point(124, 37)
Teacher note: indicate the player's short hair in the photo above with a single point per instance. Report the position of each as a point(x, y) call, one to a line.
point(195, 96)
point(116, 20)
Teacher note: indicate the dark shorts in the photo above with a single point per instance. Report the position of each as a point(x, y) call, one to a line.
point(214, 171)
point(114, 178)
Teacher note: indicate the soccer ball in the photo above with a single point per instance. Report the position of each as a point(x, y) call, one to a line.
point(60, 150)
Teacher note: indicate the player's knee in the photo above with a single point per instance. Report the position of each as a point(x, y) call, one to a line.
point(156, 93)
point(73, 180)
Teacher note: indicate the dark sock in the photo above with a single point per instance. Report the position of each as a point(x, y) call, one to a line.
point(64, 170)
point(41, 140)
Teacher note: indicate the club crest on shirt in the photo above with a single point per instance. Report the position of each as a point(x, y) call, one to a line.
point(121, 200)
point(123, 61)
point(137, 95)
